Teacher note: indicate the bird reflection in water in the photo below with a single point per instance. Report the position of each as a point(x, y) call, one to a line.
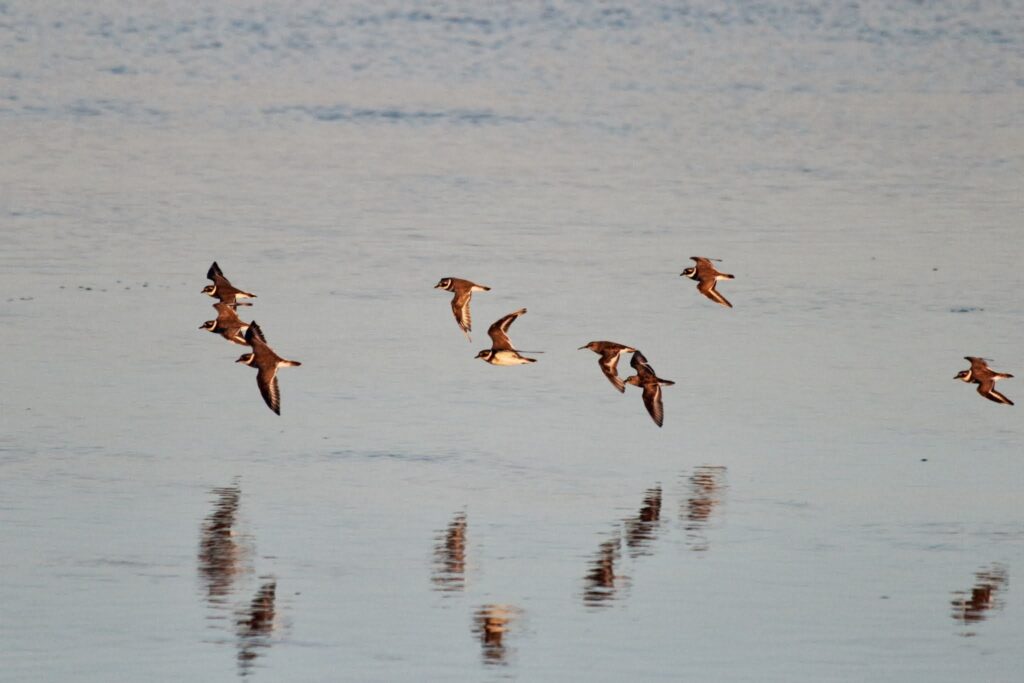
point(220, 551)
point(984, 596)
point(641, 529)
point(601, 582)
point(255, 625)
point(706, 485)
point(490, 624)
point(450, 556)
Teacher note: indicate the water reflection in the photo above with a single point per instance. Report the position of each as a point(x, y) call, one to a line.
point(220, 554)
point(641, 529)
point(490, 624)
point(984, 596)
point(706, 485)
point(222, 561)
point(601, 582)
point(256, 625)
point(450, 556)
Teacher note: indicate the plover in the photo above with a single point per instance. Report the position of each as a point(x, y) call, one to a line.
point(651, 384)
point(227, 324)
point(985, 377)
point(223, 289)
point(460, 302)
point(501, 351)
point(706, 276)
point(609, 361)
point(266, 362)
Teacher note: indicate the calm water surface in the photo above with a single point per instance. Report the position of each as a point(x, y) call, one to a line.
point(823, 503)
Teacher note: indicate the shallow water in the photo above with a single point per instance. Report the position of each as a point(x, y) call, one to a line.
point(823, 502)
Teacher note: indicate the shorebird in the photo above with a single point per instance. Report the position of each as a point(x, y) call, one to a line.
point(227, 324)
point(651, 384)
point(266, 362)
point(609, 361)
point(985, 377)
point(460, 302)
point(501, 351)
point(706, 276)
point(223, 289)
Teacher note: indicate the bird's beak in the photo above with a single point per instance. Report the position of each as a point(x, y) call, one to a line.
point(239, 360)
point(202, 327)
point(579, 349)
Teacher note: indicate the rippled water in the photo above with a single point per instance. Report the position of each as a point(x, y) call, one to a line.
point(823, 503)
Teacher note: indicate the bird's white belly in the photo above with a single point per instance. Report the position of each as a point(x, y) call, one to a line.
point(508, 358)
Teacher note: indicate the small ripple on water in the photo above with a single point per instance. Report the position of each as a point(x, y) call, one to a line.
point(346, 114)
point(346, 454)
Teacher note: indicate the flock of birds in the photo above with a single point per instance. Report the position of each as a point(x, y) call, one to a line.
point(502, 352)
point(707, 276)
point(232, 328)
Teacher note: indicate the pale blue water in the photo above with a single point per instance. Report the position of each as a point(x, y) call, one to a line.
point(824, 502)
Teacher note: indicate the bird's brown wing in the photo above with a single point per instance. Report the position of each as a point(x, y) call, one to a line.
point(234, 332)
point(226, 314)
point(222, 282)
point(987, 388)
point(707, 288)
point(638, 360)
point(978, 365)
point(460, 308)
point(652, 400)
point(610, 367)
point(266, 379)
point(254, 332)
point(644, 371)
point(702, 262)
point(498, 332)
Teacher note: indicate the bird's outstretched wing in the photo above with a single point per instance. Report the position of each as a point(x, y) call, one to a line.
point(498, 332)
